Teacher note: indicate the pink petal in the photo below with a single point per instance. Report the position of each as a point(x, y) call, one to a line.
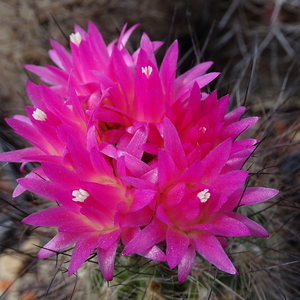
point(61, 56)
point(18, 155)
point(80, 157)
point(255, 229)
point(43, 188)
point(97, 44)
point(134, 147)
point(139, 218)
point(168, 68)
point(255, 195)
point(124, 35)
point(230, 182)
point(167, 170)
point(209, 248)
point(177, 246)
point(59, 243)
point(186, 264)
point(141, 198)
point(194, 174)
point(83, 248)
point(135, 165)
point(147, 238)
point(30, 133)
point(193, 73)
point(153, 253)
point(214, 162)
point(100, 164)
point(172, 144)
point(98, 217)
point(234, 115)
point(106, 260)
point(107, 239)
point(235, 129)
point(60, 175)
point(54, 216)
point(227, 226)
point(174, 194)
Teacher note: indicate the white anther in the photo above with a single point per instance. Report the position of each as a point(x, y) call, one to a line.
point(202, 129)
point(39, 115)
point(203, 195)
point(80, 195)
point(147, 71)
point(76, 38)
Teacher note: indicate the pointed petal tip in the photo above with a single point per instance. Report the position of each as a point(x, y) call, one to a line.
point(71, 272)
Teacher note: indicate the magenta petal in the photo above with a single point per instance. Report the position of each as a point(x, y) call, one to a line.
point(59, 243)
point(173, 145)
point(186, 264)
point(107, 239)
point(235, 129)
point(193, 73)
point(230, 182)
point(220, 155)
point(61, 56)
point(83, 248)
point(206, 79)
point(177, 245)
point(166, 169)
point(136, 166)
point(147, 238)
point(80, 157)
point(18, 155)
point(141, 199)
point(43, 188)
point(168, 67)
point(45, 75)
point(36, 173)
point(174, 194)
point(226, 226)
point(98, 217)
point(255, 229)
point(54, 216)
point(30, 133)
point(162, 215)
point(106, 260)
point(97, 43)
point(60, 175)
point(139, 218)
point(193, 174)
point(255, 195)
point(140, 137)
point(209, 248)
point(140, 183)
point(234, 115)
point(153, 253)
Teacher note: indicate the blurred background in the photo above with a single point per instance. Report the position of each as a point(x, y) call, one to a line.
point(255, 44)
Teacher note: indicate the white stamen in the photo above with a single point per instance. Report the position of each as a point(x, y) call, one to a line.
point(80, 195)
point(147, 71)
point(203, 196)
point(76, 38)
point(202, 129)
point(39, 115)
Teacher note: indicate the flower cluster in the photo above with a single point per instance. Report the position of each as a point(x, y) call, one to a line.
point(132, 155)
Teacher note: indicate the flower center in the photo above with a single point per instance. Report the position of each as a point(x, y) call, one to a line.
point(202, 129)
point(203, 195)
point(39, 115)
point(147, 71)
point(76, 38)
point(80, 195)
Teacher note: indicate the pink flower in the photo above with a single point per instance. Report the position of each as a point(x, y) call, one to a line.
point(129, 154)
